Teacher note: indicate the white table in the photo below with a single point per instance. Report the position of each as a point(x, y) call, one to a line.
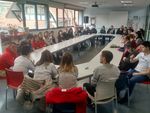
point(85, 69)
point(62, 45)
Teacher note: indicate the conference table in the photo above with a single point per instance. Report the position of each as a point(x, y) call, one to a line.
point(63, 45)
point(85, 69)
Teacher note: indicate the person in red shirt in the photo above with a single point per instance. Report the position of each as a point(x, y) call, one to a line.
point(8, 56)
point(34, 42)
point(41, 42)
point(38, 41)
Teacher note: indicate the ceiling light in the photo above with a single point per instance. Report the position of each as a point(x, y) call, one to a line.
point(126, 2)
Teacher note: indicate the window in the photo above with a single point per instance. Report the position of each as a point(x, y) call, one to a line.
point(60, 17)
point(80, 18)
point(76, 17)
point(53, 17)
point(41, 17)
point(68, 17)
point(30, 16)
point(9, 16)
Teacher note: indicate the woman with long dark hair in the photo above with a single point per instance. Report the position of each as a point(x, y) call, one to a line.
point(45, 69)
point(45, 72)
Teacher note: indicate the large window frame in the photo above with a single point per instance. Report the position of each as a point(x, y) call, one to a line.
point(69, 17)
point(59, 18)
point(37, 15)
point(77, 20)
point(53, 17)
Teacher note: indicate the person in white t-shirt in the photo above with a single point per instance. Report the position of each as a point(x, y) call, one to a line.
point(140, 73)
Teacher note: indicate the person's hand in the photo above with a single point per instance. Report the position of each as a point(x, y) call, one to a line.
point(124, 58)
point(135, 74)
point(132, 57)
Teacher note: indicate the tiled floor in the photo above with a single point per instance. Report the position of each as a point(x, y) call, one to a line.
point(139, 103)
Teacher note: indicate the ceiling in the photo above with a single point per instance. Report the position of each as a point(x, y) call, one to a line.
point(106, 3)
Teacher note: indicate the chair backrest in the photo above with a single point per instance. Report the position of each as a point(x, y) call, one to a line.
point(64, 108)
point(105, 90)
point(14, 79)
point(146, 82)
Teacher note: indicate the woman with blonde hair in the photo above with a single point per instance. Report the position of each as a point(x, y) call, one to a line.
point(68, 72)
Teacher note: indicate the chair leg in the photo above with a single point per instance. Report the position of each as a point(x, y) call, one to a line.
point(95, 108)
point(128, 97)
point(112, 106)
point(116, 102)
point(6, 99)
point(14, 94)
point(147, 88)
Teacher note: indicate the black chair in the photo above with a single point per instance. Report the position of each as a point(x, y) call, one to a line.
point(64, 108)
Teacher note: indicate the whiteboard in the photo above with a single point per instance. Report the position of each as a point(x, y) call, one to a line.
point(118, 18)
point(107, 17)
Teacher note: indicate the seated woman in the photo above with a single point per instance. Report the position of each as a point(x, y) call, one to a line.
point(40, 43)
point(51, 36)
point(60, 36)
point(68, 72)
point(125, 63)
point(47, 39)
point(34, 42)
point(70, 33)
point(45, 72)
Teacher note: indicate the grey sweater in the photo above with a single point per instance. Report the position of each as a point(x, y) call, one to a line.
point(45, 72)
point(23, 64)
point(67, 80)
point(105, 72)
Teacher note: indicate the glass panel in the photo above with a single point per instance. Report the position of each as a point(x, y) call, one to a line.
point(80, 18)
point(10, 15)
point(60, 17)
point(68, 17)
point(41, 17)
point(53, 17)
point(76, 17)
point(30, 16)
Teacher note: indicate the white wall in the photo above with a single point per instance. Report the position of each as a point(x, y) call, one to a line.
point(107, 17)
point(140, 21)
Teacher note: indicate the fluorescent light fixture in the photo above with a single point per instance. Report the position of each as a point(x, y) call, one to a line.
point(84, 3)
point(127, 4)
point(126, 1)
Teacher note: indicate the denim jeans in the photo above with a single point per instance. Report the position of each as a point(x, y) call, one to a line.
point(133, 79)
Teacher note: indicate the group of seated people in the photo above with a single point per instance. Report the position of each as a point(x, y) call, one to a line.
point(123, 30)
point(41, 40)
point(135, 64)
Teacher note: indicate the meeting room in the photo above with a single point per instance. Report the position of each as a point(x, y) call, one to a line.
point(74, 56)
